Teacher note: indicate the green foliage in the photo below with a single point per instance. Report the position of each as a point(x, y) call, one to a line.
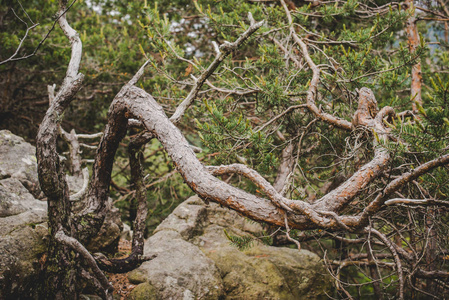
point(241, 242)
point(246, 242)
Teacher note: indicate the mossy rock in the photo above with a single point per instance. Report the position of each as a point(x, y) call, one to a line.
point(144, 291)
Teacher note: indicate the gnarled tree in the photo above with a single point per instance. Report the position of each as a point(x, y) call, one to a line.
point(351, 212)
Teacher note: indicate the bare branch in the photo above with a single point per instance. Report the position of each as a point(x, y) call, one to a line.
point(414, 202)
point(366, 115)
point(136, 257)
point(138, 74)
point(13, 58)
point(289, 109)
point(141, 105)
point(393, 186)
point(225, 50)
point(232, 92)
point(51, 178)
point(80, 194)
point(89, 136)
point(397, 260)
point(288, 234)
point(254, 177)
point(88, 146)
point(312, 92)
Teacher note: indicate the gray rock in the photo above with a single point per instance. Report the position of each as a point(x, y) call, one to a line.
point(126, 233)
point(16, 199)
point(180, 270)
point(75, 183)
point(22, 245)
point(18, 159)
point(186, 219)
point(196, 261)
point(264, 272)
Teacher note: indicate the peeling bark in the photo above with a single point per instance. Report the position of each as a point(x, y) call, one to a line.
point(393, 186)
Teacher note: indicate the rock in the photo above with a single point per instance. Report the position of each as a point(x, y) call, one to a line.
point(195, 260)
point(144, 291)
point(22, 245)
point(23, 227)
point(186, 219)
point(16, 199)
point(127, 233)
point(18, 159)
point(180, 270)
point(263, 272)
point(75, 183)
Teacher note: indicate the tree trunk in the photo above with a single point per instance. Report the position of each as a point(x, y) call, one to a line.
point(413, 43)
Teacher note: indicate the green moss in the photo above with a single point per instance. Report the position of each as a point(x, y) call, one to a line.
point(32, 225)
point(144, 291)
point(136, 277)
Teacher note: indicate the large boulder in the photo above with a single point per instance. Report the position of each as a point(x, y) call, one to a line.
point(18, 160)
point(23, 219)
point(23, 230)
point(180, 270)
point(195, 260)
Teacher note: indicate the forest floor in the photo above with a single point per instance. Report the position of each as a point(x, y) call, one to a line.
point(120, 282)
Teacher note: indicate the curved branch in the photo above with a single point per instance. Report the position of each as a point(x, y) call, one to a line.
point(397, 260)
point(366, 115)
point(136, 256)
point(114, 132)
point(88, 259)
point(136, 103)
point(77, 196)
point(312, 92)
point(143, 107)
point(255, 177)
point(14, 58)
point(393, 186)
point(413, 202)
point(51, 177)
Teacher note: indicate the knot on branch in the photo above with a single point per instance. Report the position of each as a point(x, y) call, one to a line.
point(367, 107)
point(227, 46)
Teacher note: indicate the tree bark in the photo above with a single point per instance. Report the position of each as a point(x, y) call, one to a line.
point(413, 43)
